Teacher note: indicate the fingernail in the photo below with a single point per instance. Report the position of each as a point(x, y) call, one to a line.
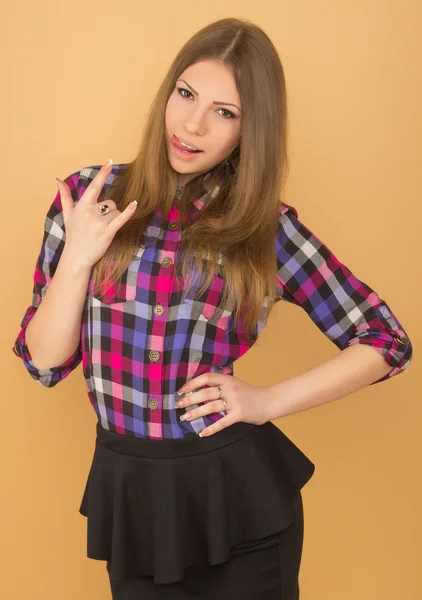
point(109, 163)
point(56, 179)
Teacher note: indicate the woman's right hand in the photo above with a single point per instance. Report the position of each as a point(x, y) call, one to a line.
point(88, 232)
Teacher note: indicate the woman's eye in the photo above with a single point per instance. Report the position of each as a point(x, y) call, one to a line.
point(180, 90)
point(231, 115)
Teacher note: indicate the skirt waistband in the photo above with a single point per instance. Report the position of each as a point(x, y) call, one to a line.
point(168, 448)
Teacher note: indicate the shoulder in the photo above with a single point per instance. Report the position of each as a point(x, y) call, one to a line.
point(292, 234)
point(288, 221)
point(284, 208)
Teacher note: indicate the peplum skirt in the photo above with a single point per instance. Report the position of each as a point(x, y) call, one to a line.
point(156, 507)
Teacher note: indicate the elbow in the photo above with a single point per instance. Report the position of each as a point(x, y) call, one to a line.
point(48, 376)
point(45, 380)
point(397, 350)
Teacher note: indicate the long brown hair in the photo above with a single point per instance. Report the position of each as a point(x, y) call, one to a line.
point(239, 222)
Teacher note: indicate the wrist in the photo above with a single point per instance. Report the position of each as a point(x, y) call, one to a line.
point(269, 403)
point(74, 264)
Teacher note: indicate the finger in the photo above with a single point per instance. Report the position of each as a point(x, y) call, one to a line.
point(122, 218)
point(108, 217)
point(218, 426)
point(110, 203)
point(197, 396)
point(209, 407)
point(201, 380)
point(65, 198)
point(92, 192)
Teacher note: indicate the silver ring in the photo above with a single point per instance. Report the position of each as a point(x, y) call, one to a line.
point(104, 209)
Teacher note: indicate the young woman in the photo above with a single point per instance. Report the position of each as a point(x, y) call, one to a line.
point(193, 492)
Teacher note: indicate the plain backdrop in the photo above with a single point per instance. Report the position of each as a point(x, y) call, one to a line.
point(77, 79)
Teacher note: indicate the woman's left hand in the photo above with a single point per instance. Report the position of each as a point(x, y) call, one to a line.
point(245, 402)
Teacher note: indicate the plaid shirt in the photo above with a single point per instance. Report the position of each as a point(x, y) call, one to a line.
point(140, 343)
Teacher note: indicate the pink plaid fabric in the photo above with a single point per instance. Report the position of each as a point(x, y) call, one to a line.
point(140, 342)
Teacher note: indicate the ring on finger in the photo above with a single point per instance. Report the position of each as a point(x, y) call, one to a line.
point(220, 396)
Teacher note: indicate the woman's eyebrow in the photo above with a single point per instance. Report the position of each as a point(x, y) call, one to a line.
point(216, 102)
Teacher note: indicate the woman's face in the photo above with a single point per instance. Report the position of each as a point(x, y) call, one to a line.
point(204, 110)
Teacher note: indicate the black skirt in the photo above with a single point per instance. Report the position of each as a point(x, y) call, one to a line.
point(157, 507)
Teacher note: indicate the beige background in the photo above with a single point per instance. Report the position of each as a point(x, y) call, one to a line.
point(78, 78)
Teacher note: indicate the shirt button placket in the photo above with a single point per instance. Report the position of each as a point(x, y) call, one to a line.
point(165, 287)
point(156, 369)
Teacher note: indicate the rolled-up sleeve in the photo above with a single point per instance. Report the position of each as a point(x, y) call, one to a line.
point(347, 310)
point(46, 264)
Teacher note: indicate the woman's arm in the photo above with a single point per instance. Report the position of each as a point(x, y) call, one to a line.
point(54, 333)
point(350, 370)
point(49, 338)
point(345, 309)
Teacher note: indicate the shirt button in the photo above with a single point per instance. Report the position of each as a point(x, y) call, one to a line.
point(173, 225)
point(152, 403)
point(154, 355)
point(166, 262)
point(403, 340)
point(159, 309)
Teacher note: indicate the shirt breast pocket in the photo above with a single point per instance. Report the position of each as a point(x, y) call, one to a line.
point(205, 307)
point(123, 290)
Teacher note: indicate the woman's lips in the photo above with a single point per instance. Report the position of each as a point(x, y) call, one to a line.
point(182, 152)
point(176, 142)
